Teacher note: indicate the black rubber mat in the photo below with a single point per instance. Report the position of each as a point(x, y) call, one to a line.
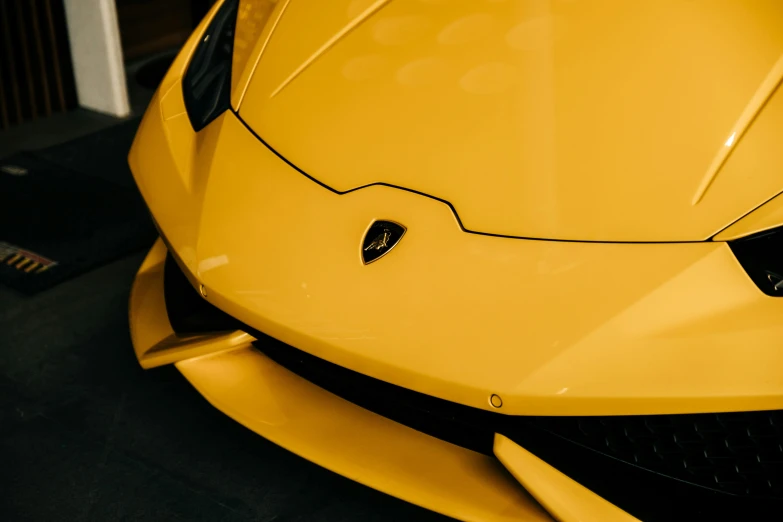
point(68, 209)
point(103, 154)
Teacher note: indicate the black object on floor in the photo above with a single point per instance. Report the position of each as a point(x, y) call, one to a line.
point(57, 222)
point(103, 154)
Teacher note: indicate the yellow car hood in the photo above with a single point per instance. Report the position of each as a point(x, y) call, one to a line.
point(605, 120)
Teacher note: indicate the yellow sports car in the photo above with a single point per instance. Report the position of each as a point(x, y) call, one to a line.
point(504, 259)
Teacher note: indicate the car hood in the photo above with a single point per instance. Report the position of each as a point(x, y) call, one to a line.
point(596, 121)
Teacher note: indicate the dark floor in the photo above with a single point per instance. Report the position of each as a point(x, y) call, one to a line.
point(86, 434)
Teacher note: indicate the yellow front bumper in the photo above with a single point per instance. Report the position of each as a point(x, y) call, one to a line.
point(345, 438)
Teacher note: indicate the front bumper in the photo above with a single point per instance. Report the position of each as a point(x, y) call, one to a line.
point(427, 456)
point(332, 432)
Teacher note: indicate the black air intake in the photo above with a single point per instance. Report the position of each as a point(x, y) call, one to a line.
point(188, 312)
point(761, 255)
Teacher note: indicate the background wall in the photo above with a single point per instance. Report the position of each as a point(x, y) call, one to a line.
point(36, 76)
point(56, 55)
point(96, 53)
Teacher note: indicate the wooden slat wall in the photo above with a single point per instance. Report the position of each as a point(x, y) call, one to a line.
point(36, 76)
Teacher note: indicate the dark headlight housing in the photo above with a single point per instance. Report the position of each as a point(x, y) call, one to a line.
point(761, 255)
point(206, 85)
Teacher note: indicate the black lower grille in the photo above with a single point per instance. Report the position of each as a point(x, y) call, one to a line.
point(726, 466)
point(188, 312)
point(737, 453)
point(574, 445)
point(467, 427)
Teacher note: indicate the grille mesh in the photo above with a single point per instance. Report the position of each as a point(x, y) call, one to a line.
point(737, 453)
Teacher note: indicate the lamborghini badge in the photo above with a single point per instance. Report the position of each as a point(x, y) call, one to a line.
point(380, 238)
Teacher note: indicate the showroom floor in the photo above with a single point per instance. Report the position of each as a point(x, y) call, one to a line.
point(85, 434)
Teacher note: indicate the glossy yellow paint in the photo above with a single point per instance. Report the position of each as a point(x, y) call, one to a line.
point(356, 443)
point(766, 217)
point(565, 499)
point(147, 300)
point(334, 433)
point(154, 342)
point(256, 21)
point(571, 328)
point(593, 120)
point(765, 91)
point(551, 327)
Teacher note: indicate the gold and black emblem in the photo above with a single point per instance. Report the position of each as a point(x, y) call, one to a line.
point(381, 237)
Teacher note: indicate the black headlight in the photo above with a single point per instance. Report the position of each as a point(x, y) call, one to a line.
point(761, 255)
point(206, 85)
